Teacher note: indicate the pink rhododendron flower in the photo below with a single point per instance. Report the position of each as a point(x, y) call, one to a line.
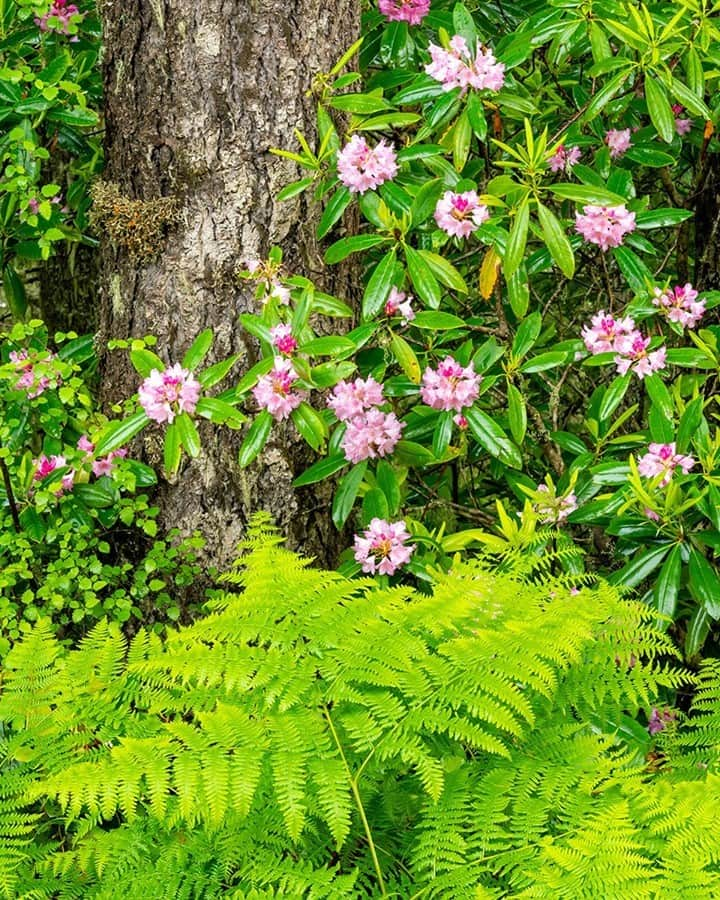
point(274, 391)
point(399, 302)
point(282, 338)
point(555, 509)
point(682, 126)
point(456, 68)
point(634, 356)
point(361, 168)
point(163, 395)
point(278, 292)
point(661, 459)
point(30, 381)
point(460, 421)
point(605, 226)
point(63, 12)
point(607, 333)
point(383, 547)
point(85, 444)
point(450, 386)
point(618, 141)
point(350, 399)
point(651, 514)
point(680, 304)
point(563, 160)
point(45, 465)
point(106, 464)
point(410, 11)
point(372, 434)
point(460, 214)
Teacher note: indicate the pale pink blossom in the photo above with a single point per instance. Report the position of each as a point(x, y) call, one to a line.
point(350, 399)
point(563, 160)
point(85, 444)
point(34, 206)
point(680, 304)
point(460, 214)
point(399, 302)
point(279, 292)
point(410, 11)
point(362, 168)
point(106, 464)
point(274, 391)
point(456, 67)
point(607, 333)
point(64, 12)
point(30, 380)
point(634, 356)
point(651, 514)
point(282, 338)
point(618, 141)
point(383, 547)
point(163, 395)
point(450, 386)
point(662, 459)
point(605, 226)
point(372, 434)
point(554, 509)
point(682, 126)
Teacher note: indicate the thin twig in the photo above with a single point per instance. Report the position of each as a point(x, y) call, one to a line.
point(10, 496)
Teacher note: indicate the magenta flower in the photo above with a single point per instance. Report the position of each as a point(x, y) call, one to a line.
point(618, 141)
point(361, 168)
point(45, 465)
point(383, 547)
point(274, 391)
point(680, 304)
point(605, 226)
point(353, 399)
point(563, 160)
point(63, 12)
point(163, 395)
point(282, 338)
point(456, 68)
point(450, 386)
point(555, 509)
point(460, 215)
point(460, 421)
point(682, 126)
point(370, 435)
point(399, 302)
point(607, 333)
point(661, 459)
point(410, 11)
point(633, 356)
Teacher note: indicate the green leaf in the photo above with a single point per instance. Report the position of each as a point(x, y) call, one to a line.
point(660, 395)
point(330, 345)
point(690, 100)
point(214, 374)
point(198, 350)
point(409, 453)
point(188, 434)
point(704, 584)
point(519, 291)
point(697, 632)
point(426, 200)
point(378, 287)
point(632, 267)
point(667, 586)
point(256, 438)
point(144, 361)
point(517, 413)
point(649, 156)
point(171, 449)
point(557, 241)
point(545, 361)
point(322, 469)
point(362, 104)
point(118, 434)
point(310, 425)
point(374, 505)
point(517, 240)
point(96, 495)
point(606, 93)
point(638, 569)
point(294, 188)
point(437, 321)
point(423, 279)
point(491, 436)
point(251, 377)
point(334, 210)
point(388, 120)
point(526, 335)
point(444, 271)
point(462, 135)
point(586, 193)
point(614, 395)
point(220, 412)
point(387, 481)
point(14, 291)
point(659, 108)
point(341, 249)
point(347, 491)
point(661, 218)
point(442, 433)
point(689, 424)
point(405, 355)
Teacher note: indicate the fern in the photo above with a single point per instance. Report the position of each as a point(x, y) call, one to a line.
point(320, 737)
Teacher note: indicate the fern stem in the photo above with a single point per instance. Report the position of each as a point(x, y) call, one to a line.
point(358, 803)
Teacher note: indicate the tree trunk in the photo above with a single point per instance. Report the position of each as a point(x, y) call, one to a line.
point(196, 94)
point(707, 229)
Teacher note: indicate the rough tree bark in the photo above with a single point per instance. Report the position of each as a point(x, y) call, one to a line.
point(196, 94)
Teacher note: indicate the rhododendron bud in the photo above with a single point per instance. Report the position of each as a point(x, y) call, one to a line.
point(618, 141)
point(634, 356)
point(680, 304)
point(370, 435)
point(274, 391)
point(383, 547)
point(361, 168)
point(165, 394)
point(662, 459)
point(410, 11)
point(460, 421)
point(460, 214)
point(456, 68)
point(399, 302)
point(607, 333)
point(563, 160)
point(450, 386)
point(350, 399)
point(605, 226)
point(282, 338)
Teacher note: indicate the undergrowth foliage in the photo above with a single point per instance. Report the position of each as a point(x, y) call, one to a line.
point(323, 737)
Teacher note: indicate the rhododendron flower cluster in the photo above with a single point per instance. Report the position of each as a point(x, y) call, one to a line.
point(618, 141)
point(63, 12)
point(163, 395)
point(460, 215)
point(399, 303)
point(563, 160)
point(410, 11)
point(456, 67)
point(680, 304)
point(605, 226)
point(450, 386)
point(282, 338)
point(361, 168)
point(682, 126)
point(555, 509)
point(350, 399)
point(30, 381)
point(369, 432)
point(662, 459)
point(274, 391)
point(607, 334)
point(634, 356)
point(46, 465)
point(104, 465)
point(383, 547)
